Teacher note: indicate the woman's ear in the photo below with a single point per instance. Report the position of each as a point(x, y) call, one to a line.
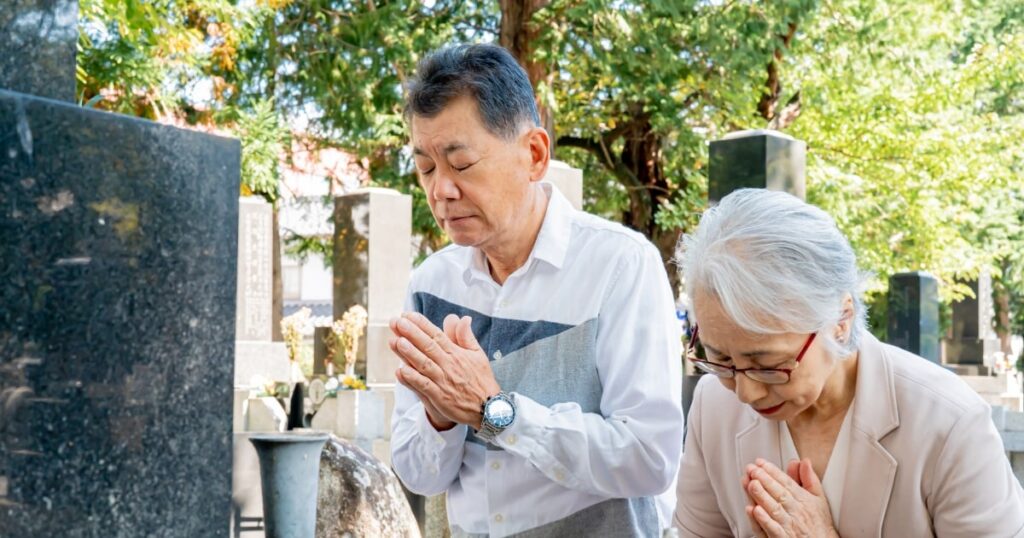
point(845, 325)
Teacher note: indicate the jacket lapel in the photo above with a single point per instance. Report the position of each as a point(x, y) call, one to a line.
point(872, 469)
point(758, 440)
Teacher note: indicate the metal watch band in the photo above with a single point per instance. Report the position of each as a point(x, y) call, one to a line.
point(489, 431)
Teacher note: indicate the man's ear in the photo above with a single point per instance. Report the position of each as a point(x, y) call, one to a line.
point(539, 144)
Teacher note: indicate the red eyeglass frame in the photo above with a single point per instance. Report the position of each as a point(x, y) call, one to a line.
point(729, 372)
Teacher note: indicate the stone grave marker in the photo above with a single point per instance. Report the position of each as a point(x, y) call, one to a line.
point(118, 240)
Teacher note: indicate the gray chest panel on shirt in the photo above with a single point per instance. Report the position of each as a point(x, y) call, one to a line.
point(557, 369)
point(550, 363)
point(547, 362)
point(614, 518)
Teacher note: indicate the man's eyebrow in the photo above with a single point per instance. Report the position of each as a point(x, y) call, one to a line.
point(450, 148)
point(454, 146)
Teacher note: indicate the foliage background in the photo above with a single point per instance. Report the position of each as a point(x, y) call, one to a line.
point(913, 111)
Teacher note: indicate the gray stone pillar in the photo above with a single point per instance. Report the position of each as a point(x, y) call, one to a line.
point(756, 159)
point(372, 263)
point(913, 312)
point(568, 180)
point(255, 353)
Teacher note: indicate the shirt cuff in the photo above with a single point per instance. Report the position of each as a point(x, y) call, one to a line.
point(436, 440)
point(526, 438)
point(527, 428)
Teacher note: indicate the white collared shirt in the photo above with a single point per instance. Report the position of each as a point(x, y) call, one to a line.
point(590, 314)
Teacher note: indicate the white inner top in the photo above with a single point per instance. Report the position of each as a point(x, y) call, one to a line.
point(835, 471)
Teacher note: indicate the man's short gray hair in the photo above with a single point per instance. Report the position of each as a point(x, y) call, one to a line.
point(487, 73)
point(777, 265)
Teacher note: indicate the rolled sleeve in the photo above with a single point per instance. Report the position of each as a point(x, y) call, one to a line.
point(426, 460)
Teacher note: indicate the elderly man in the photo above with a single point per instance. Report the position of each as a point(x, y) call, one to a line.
point(540, 385)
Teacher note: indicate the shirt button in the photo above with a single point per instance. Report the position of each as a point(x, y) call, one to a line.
point(560, 476)
point(496, 465)
point(511, 439)
point(498, 518)
point(497, 355)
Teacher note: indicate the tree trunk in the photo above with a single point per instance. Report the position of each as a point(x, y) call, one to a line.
point(517, 34)
point(638, 168)
point(278, 281)
point(648, 189)
point(278, 301)
point(1001, 300)
point(767, 105)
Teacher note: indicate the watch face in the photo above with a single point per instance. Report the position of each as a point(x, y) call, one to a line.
point(500, 413)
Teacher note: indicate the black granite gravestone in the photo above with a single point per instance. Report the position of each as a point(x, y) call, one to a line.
point(913, 312)
point(965, 346)
point(756, 159)
point(37, 47)
point(118, 243)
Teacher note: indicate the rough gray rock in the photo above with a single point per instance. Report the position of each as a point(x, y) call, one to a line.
point(360, 496)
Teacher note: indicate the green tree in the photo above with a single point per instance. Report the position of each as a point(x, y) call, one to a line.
point(642, 86)
point(906, 146)
point(912, 111)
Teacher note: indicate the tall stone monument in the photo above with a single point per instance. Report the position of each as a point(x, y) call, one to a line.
point(117, 280)
point(255, 353)
point(913, 312)
point(372, 263)
point(568, 180)
point(758, 159)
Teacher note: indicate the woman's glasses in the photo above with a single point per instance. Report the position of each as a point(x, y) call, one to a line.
point(768, 376)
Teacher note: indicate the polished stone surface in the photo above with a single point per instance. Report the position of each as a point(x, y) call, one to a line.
point(913, 314)
point(973, 339)
point(37, 47)
point(756, 159)
point(118, 244)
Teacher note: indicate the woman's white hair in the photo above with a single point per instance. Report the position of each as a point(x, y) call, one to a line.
point(777, 265)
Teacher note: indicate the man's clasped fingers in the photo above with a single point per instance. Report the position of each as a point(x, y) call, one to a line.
point(425, 336)
point(416, 359)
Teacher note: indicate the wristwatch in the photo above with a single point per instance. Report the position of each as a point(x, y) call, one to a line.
point(499, 412)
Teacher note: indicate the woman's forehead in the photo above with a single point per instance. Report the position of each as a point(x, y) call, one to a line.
point(765, 345)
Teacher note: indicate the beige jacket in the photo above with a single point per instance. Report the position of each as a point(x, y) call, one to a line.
point(925, 458)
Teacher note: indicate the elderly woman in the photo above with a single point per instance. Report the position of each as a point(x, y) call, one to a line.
point(808, 425)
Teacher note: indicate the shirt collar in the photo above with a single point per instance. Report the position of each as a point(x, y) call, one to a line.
point(552, 242)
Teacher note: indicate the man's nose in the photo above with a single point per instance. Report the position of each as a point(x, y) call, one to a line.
point(445, 187)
